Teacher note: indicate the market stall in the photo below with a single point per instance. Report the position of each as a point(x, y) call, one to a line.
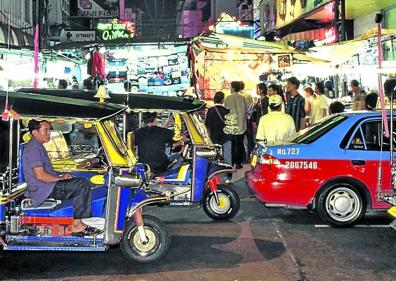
point(219, 59)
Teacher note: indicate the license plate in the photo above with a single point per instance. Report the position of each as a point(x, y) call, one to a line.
point(253, 162)
point(392, 211)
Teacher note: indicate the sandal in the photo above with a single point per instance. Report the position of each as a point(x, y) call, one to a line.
point(88, 231)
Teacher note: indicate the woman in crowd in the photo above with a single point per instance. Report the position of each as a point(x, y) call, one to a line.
point(215, 123)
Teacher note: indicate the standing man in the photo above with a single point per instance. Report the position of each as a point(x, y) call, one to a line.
point(295, 103)
point(358, 96)
point(43, 182)
point(276, 125)
point(238, 105)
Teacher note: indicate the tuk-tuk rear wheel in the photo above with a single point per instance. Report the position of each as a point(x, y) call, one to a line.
point(228, 206)
point(157, 245)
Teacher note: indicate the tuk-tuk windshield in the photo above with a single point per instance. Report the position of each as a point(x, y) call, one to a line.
point(200, 125)
point(110, 128)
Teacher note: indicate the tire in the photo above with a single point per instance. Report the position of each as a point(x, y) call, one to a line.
point(341, 205)
point(229, 203)
point(157, 246)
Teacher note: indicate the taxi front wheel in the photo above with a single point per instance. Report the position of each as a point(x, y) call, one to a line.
point(341, 205)
point(157, 244)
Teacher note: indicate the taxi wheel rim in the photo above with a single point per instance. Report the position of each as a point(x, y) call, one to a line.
point(343, 204)
point(147, 248)
point(223, 206)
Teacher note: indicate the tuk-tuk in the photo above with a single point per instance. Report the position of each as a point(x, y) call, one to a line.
point(201, 177)
point(86, 143)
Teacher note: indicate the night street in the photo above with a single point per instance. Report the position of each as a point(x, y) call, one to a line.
point(259, 244)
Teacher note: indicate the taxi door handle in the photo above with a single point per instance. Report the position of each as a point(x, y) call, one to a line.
point(358, 162)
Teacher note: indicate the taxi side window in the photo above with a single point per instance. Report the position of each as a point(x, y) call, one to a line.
point(357, 142)
point(368, 137)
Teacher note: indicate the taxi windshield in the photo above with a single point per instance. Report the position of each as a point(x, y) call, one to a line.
point(311, 134)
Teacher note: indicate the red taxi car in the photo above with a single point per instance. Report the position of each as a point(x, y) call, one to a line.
point(335, 167)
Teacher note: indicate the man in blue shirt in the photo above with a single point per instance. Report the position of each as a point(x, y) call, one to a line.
point(295, 103)
point(43, 182)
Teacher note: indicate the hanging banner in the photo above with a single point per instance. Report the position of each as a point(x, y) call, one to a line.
point(98, 8)
point(288, 11)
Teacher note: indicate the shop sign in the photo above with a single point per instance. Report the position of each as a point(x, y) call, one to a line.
point(80, 35)
point(291, 10)
point(116, 29)
point(98, 8)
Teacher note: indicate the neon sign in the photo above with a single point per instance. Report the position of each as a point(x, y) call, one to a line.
point(116, 29)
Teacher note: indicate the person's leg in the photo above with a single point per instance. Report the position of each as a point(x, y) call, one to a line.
point(227, 157)
point(239, 151)
point(233, 149)
point(79, 190)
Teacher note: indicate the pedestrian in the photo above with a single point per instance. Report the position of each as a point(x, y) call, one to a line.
point(371, 100)
point(275, 89)
point(276, 125)
point(62, 84)
point(336, 107)
point(249, 136)
point(238, 105)
point(261, 107)
point(88, 84)
point(215, 123)
point(295, 103)
point(127, 86)
point(309, 95)
point(358, 96)
point(319, 106)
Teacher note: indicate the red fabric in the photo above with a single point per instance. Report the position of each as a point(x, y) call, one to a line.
point(98, 65)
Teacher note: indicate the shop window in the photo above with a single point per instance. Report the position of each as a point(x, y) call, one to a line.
point(6, 5)
point(28, 11)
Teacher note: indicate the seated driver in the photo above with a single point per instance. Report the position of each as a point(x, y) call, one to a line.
point(43, 182)
point(152, 141)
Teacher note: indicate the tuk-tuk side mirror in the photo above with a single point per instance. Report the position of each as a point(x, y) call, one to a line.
point(130, 140)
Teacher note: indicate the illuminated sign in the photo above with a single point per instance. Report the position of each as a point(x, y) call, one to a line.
point(116, 29)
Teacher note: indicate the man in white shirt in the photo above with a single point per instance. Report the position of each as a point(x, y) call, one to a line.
point(276, 125)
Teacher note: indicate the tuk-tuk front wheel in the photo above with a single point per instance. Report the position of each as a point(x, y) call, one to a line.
point(226, 208)
point(157, 244)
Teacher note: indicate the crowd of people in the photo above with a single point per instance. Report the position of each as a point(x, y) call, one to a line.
point(274, 115)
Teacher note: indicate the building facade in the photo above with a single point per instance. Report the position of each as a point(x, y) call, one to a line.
point(16, 23)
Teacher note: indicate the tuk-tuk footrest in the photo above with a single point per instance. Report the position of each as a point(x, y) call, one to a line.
point(64, 243)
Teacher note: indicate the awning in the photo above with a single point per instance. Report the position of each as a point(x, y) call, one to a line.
point(18, 38)
point(341, 52)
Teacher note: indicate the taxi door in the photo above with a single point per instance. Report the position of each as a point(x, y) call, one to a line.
point(367, 157)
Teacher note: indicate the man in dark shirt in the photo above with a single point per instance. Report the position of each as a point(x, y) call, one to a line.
point(295, 103)
point(43, 182)
point(151, 142)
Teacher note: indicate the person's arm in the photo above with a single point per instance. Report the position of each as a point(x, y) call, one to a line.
point(260, 132)
point(307, 106)
point(302, 113)
point(43, 176)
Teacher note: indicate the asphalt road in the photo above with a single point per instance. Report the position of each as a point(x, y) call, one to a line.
point(259, 244)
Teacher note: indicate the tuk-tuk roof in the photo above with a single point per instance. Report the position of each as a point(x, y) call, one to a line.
point(136, 102)
point(27, 105)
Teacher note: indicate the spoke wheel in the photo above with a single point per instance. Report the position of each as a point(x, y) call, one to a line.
point(155, 247)
point(227, 207)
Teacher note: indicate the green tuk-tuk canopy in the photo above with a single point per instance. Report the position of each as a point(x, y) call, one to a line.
point(48, 106)
point(136, 102)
